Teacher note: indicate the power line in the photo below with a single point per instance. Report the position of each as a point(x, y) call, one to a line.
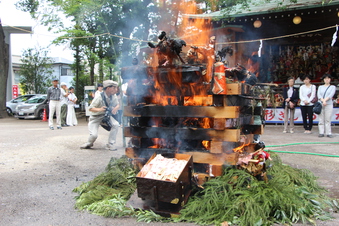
point(219, 43)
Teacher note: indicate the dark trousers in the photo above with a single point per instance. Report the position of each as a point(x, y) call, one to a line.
point(307, 114)
point(63, 114)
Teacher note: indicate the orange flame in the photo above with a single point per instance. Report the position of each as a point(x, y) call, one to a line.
point(198, 100)
point(205, 123)
point(240, 149)
point(194, 31)
point(206, 144)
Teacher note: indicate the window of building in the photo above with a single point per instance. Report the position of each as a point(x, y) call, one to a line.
point(66, 72)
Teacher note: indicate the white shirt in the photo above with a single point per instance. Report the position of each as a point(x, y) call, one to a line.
point(304, 91)
point(63, 99)
point(290, 92)
point(71, 98)
point(329, 93)
point(97, 93)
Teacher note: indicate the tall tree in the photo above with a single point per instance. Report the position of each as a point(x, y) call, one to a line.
point(4, 64)
point(36, 71)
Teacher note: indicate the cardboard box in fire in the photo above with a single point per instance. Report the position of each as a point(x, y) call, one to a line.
point(166, 179)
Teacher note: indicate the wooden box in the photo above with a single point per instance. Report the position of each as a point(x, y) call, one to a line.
point(167, 191)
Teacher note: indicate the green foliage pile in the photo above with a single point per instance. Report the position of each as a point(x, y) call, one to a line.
point(291, 195)
point(105, 195)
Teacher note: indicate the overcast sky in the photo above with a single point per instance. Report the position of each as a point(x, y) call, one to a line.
point(10, 16)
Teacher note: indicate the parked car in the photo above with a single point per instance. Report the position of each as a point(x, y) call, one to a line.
point(12, 104)
point(32, 108)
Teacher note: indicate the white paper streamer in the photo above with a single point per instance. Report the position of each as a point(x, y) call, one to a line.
point(334, 38)
point(259, 51)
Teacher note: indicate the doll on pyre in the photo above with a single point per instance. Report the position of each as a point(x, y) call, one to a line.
point(255, 163)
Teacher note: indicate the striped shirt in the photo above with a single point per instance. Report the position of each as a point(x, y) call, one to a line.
point(53, 93)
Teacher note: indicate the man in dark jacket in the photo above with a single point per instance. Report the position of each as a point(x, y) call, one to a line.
point(291, 97)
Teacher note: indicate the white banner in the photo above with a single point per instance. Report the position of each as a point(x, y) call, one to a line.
point(276, 115)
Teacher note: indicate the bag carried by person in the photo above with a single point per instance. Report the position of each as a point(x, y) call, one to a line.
point(106, 121)
point(317, 107)
point(315, 99)
point(291, 105)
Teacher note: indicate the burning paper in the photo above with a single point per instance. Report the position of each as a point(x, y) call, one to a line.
point(259, 51)
point(161, 168)
point(334, 38)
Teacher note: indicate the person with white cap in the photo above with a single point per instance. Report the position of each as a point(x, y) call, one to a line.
point(107, 101)
point(63, 103)
point(53, 97)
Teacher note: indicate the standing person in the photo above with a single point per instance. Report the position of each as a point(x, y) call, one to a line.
point(325, 95)
point(98, 109)
point(99, 90)
point(71, 117)
point(307, 93)
point(63, 103)
point(53, 97)
point(291, 97)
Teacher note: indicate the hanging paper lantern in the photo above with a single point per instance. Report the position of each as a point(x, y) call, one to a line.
point(257, 24)
point(297, 20)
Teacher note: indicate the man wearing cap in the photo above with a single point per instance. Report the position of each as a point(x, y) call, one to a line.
point(63, 103)
point(53, 97)
point(97, 112)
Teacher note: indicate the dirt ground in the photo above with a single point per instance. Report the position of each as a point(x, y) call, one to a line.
point(39, 169)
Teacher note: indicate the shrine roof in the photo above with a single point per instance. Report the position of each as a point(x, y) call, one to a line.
point(263, 7)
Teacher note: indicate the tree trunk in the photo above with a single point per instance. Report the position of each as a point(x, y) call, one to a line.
point(4, 63)
point(77, 69)
point(91, 68)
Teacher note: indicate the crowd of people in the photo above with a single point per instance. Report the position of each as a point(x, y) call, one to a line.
point(307, 96)
point(105, 104)
point(61, 103)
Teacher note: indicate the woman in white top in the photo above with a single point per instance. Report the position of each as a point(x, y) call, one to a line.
point(325, 95)
point(71, 117)
point(307, 93)
point(99, 90)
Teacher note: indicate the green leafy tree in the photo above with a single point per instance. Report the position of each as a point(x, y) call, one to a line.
point(108, 30)
point(36, 71)
point(114, 18)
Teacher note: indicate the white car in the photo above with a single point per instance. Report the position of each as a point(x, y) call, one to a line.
point(12, 104)
point(32, 108)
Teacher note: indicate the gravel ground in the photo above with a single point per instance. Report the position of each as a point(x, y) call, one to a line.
point(39, 169)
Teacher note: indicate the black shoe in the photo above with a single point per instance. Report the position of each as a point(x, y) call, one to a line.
point(59, 127)
point(51, 128)
point(330, 136)
point(321, 135)
point(64, 125)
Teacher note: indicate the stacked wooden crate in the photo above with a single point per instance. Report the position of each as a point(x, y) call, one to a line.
point(230, 120)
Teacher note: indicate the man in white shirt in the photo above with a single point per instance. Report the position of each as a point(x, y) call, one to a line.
point(53, 97)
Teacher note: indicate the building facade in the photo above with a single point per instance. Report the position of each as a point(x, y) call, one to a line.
point(61, 69)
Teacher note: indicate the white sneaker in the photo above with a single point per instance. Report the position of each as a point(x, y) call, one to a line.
point(111, 147)
point(86, 146)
